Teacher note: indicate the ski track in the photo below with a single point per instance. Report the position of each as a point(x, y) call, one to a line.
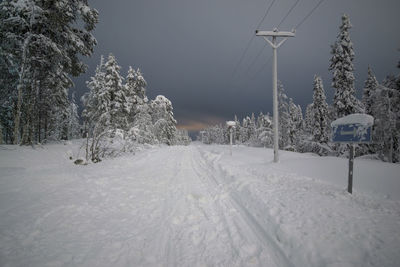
point(185, 206)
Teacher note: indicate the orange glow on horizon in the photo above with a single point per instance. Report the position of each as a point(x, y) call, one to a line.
point(197, 125)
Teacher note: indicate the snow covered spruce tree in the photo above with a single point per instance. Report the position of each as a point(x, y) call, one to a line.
point(285, 122)
point(117, 95)
point(297, 124)
point(386, 110)
point(163, 120)
point(264, 130)
point(141, 130)
point(369, 91)
point(316, 136)
point(96, 113)
point(41, 44)
point(309, 118)
point(385, 130)
point(236, 132)
point(320, 125)
point(344, 100)
point(244, 130)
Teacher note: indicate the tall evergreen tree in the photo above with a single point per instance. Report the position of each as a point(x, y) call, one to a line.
point(285, 122)
point(130, 87)
point(140, 112)
point(344, 101)
point(385, 130)
point(319, 125)
point(42, 49)
point(118, 105)
point(297, 124)
point(97, 101)
point(309, 118)
point(369, 87)
point(237, 130)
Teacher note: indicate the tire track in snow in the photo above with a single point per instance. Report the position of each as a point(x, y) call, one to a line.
point(246, 222)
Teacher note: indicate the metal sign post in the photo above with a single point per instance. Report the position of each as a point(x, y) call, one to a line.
point(351, 167)
point(352, 129)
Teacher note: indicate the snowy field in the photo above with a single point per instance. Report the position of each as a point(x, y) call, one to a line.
point(196, 206)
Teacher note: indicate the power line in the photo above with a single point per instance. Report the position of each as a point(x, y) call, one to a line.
point(309, 14)
point(265, 15)
point(263, 67)
point(287, 14)
point(255, 59)
point(296, 27)
point(280, 23)
point(252, 38)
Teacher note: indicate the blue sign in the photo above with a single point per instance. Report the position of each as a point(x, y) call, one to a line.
point(351, 133)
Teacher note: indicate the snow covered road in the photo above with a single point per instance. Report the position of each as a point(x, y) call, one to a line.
point(185, 206)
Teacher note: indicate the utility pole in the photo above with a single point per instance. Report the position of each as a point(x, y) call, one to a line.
point(274, 34)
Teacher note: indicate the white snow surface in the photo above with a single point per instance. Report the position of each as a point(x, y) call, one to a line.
point(196, 206)
point(356, 118)
point(231, 123)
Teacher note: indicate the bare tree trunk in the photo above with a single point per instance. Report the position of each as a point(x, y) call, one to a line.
point(19, 89)
point(1, 135)
point(45, 126)
point(18, 113)
point(21, 75)
point(87, 141)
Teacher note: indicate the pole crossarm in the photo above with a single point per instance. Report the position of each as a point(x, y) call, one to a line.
point(275, 33)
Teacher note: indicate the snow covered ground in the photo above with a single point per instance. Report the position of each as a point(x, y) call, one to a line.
point(196, 206)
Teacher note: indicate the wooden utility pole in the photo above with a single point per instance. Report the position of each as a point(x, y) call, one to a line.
point(274, 34)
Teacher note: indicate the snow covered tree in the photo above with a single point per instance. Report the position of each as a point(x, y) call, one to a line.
point(236, 133)
point(142, 129)
point(182, 137)
point(392, 102)
point(370, 86)
point(320, 127)
point(252, 129)
point(41, 47)
point(97, 101)
point(130, 87)
point(285, 122)
point(117, 93)
point(264, 130)
point(385, 130)
point(309, 118)
point(97, 111)
point(214, 135)
point(140, 88)
point(163, 120)
point(297, 124)
point(245, 130)
point(74, 128)
point(344, 101)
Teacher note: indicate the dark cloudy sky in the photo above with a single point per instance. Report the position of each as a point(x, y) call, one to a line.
point(188, 50)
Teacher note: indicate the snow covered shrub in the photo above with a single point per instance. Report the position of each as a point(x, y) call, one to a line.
point(308, 145)
point(182, 138)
